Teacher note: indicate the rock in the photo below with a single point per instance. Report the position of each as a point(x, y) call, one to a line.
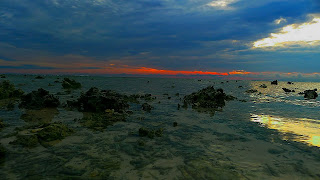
point(177, 94)
point(207, 99)
point(289, 82)
point(251, 91)
point(7, 90)
point(146, 107)
point(2, 76)
point(53, 132)
point(263, 86)
point(240, 86)
point(39, 77)
point(310, 94)
point(70, 84)
point(95, 100)
point(39, 99)
point(175, 124)
point(3, 152)
point(274, 82)
point(288, 90)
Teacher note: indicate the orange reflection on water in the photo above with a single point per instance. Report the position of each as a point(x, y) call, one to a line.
point(307, 130)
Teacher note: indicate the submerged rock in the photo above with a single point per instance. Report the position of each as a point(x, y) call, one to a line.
point(100, 121)
point(207, 99)
point(53, 132)
point(70, 84)
point(45, 134)
point(263, 86)
point(146, 107)
point(39, 99)
point(310, 94)
point(151, 133)
point(29, 141)
point(7, 90)
point(251, 91)
point(95, 100)
point(288, 90)
point(274, 82)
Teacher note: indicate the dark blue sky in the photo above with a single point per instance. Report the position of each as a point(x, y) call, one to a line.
point(188, 35)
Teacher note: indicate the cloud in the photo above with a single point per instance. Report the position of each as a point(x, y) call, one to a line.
point(222, 4)
point(280, 20)
point(295, 34)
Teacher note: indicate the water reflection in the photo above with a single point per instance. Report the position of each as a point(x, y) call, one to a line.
point(306, 130)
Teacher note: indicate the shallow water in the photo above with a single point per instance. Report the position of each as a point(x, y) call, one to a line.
point(272, 135)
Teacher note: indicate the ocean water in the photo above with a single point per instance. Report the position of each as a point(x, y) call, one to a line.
point(266, 135)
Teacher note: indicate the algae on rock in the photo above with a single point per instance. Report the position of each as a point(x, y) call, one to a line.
point(70, 84)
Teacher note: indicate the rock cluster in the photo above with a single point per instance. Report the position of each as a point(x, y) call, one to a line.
point(39, 99)
point(7, 90)
point(70, 84)
point(207, 99)
point(310, 94)
point(97, 101)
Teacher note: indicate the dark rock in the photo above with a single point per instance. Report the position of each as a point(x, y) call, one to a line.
point(207, 99)
point(289, 82)
point(1, 124)
point(288, 90)
point(179, 106)
point(169, 97)
point(263, 86)
point(3, 152)
point(70, 84)
point(177, 94)
point(310, 94)
point(251, 91)
point(146, 107)
point(240, 86)
point(7, 90)
point(274, 82)
point(175, 124)
point(39, 77)
point(39, 99)
point(95, 100)
point(56, 81)
point(2, 76)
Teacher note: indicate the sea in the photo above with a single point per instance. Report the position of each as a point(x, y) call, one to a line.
point(269, 134)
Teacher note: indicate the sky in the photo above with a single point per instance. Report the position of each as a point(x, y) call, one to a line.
point(234, 38)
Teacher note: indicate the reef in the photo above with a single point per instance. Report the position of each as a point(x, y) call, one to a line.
point(208, 99)
point(45, 134)
point(151, 133)
point(7, 90)
point(101, 108)
point(39, 99)
point(70, 84)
